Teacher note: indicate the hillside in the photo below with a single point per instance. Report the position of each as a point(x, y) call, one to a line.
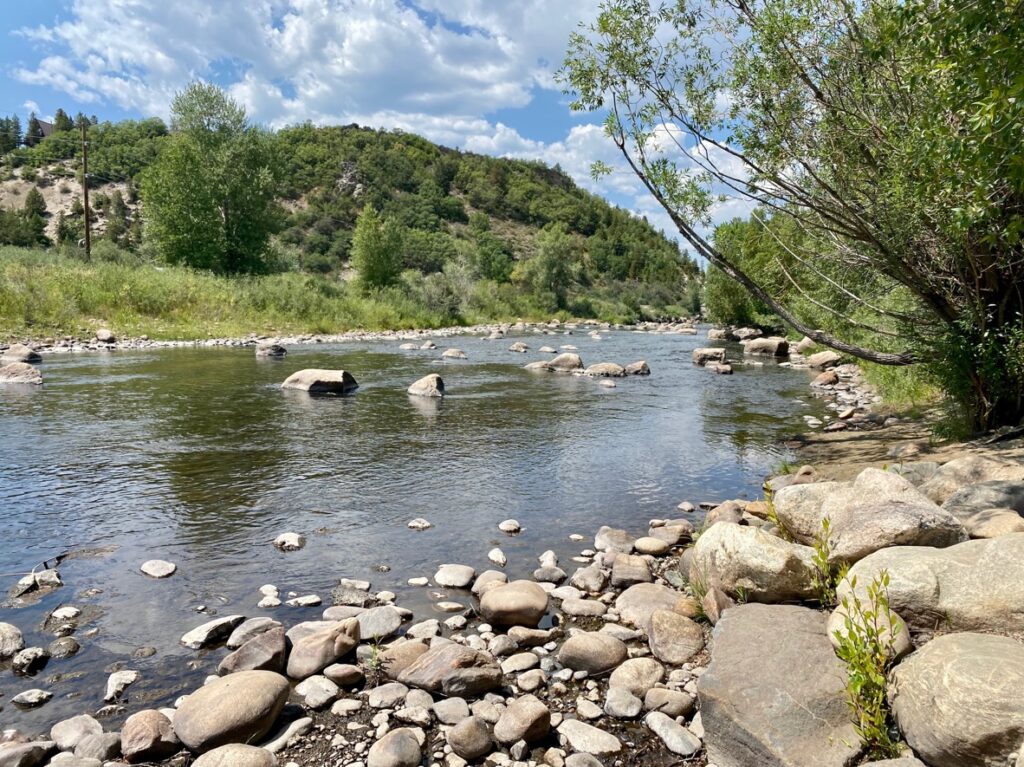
point(469, 223)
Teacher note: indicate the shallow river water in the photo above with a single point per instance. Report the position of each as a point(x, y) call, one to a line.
point(198, 457)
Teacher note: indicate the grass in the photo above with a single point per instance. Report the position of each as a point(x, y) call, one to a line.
point(44, 293)
point(904, 390)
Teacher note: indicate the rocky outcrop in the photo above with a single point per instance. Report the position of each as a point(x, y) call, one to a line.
point(238, 708)
point(317, 381)
point(428, 386)
point(774, 693)
point(748, 562)
point(973, 586)
point(958, 700)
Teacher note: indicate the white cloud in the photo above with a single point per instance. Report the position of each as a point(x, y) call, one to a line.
point(31, 106)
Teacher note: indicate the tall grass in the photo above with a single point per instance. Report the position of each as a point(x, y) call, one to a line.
point(907, 389)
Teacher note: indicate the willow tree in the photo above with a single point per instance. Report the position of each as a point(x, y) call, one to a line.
point(890, 133)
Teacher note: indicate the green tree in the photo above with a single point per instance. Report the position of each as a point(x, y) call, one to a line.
point(888, 132)
point(34, 132)
point(34, 203)
point(548, 273)
point(10, 133)
point(61, 121)
point(376, 249)
point(209, 196)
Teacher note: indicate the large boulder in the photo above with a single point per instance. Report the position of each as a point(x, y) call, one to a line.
point(877, 510)
point(70, 732)
point(774, 694)
point(975, 506)
point(238, 708)
point(825, 359)
point(20, 353)
point(973, 586)
point(519, 603)
point(429, 386)
point(767, 347)
point(958, 700)
point(969, 470)
point(674, 638)
point(453, 669)
point(750, 563)
point(606, 370)
point(567, 362)
point(638, 603)
point(236, 755)
point(263, 652)
point(20, 373)
point(317, 651)
point(317, 381)
point(11, 640)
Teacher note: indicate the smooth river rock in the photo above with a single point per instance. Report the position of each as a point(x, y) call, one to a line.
point(316, 381)
point(20, 373)
point(399, 748)
point(315, 652)
point(429, 386)
point(452, 669)
point(211, 632)
point(592, 651)
point(958, 700)
point(238, 708)
point(519, 603)
point(158, 568)
point(236, 755)
point(774, 694)
point(264, 652)
point(147, 736)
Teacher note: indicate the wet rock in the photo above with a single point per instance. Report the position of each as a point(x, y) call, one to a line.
point(317, 381)
point(780, 707)
point(453, 669)
point(20, 373)
point(32, 698)
point(263, 652)
point(638, 368)
point(519, 347)
point(703, 356)
point(236, 755)
point(638, 675)
point(317, 691)
point(29, 661)
point(70, 732)
point(315, 652)
point(497, 557)
point(470, 738)
point(419, 524)
point(524, 718)
point(587, 739)
point(973, 586)
point(20, 353)
point(592, 652)
point(290, 541)
point(118, 682)
point(250, 629)
point(509, 526)
point(238, 708)
point(674, 638)
point(747, 560)
point(605, 370)
point(147, 736)
point(399, 748)
point(767, 347)
point(567, 362)
point(957, 700)
point(454, 576)
point(519, 603)
point(454, 354)
point(430, 385)
point(158, 568)
point(212, 632)
point(11, 640)
point(266, 349)
point(676, 738)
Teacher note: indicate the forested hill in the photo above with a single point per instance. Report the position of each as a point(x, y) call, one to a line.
point(471, 227)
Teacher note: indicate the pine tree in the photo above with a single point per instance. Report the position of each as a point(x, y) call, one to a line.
point(34, 134)
point(62, 122)
point(34, 203)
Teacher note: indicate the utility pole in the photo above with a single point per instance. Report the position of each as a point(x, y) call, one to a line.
point(85, 192)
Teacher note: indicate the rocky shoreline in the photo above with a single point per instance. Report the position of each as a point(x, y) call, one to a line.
point(704, 639)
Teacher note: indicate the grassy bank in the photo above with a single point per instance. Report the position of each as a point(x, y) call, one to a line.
point(44, 293)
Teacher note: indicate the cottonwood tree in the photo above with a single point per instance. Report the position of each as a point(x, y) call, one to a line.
point(376, 249)
point(208, 200)
point(888, 132)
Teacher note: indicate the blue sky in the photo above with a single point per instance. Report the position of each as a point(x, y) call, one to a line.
point(473, 74)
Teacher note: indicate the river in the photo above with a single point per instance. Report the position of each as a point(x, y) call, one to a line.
point(198, 457)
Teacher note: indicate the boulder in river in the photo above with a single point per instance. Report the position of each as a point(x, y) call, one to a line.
point(290, 541)
point(270, 350)
point(429, 386)
point(767, 347)
point(238, 708)
point(11, 640)
point(606, 370)
point(20, 353)
point(158, 568)
point(20, 373)
point(519, 347)
point(704, 355)
point(317, 381)
point(567, 362)
point(774, 694)
point(958, 700)
point(211, 632)
point(453, 354)
point(638, 368)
